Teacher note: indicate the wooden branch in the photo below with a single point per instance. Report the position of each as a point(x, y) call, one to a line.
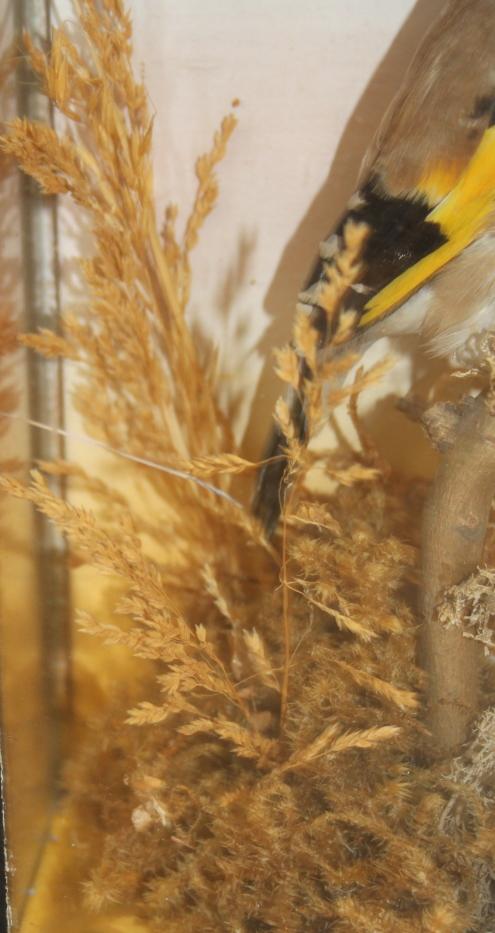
point(454, 527)
point(412, 406)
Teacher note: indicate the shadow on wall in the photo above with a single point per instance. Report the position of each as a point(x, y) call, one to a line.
point(322, 215)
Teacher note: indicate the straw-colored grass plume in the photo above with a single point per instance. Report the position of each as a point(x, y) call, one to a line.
point(274, 772)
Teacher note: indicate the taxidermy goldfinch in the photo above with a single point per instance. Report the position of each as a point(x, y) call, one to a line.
point(415, 250)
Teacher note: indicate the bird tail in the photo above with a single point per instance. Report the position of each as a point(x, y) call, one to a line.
point(323, 326)
point(271, 486)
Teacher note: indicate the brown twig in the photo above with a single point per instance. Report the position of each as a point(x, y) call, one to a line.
point(454, 527)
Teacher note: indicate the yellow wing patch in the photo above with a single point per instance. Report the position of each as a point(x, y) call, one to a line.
point(462, 215)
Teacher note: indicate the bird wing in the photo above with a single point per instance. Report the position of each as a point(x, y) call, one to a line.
point(460, 217)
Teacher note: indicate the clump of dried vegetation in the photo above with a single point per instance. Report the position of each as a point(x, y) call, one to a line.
point(278, 775)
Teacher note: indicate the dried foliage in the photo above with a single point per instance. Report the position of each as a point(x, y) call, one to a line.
point(277, 775)
point(471, 606)
point(340, 820)
point(474, 775)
